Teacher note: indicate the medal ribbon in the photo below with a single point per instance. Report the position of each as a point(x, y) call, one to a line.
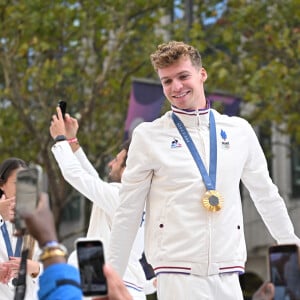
point(8, 243)
point(209, 179)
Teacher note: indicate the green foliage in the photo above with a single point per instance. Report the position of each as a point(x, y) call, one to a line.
point(253, 51)
point(84, 52)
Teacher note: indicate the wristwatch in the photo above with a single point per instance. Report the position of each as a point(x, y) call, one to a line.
point(60, 138)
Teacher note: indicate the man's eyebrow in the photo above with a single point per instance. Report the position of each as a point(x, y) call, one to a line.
point(177, 74)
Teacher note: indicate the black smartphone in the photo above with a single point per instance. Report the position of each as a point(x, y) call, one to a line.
point(63, 107)
point(90, 255)
point(28, 188)
point(285, 271)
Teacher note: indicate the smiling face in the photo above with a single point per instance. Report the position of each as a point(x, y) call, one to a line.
point(183, 84)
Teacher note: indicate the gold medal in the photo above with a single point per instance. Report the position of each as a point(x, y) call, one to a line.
point(212, 200)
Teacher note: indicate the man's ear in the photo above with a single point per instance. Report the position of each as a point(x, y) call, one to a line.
point(203, 74)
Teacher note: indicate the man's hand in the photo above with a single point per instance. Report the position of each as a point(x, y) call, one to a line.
point(71, 125)
point(265, 292)
point(40, 223)
point(60, 126)
point(115, 285)
point(57, 126)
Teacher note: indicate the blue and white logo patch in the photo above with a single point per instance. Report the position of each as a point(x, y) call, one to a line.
point(225, 142)
point(175, 144)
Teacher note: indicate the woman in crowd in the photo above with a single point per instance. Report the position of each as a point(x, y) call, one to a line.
point(10, 245)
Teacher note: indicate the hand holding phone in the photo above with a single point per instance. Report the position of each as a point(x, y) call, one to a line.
point(90, 255)
point(63, 107)
point(285, 271)
point(28, 188)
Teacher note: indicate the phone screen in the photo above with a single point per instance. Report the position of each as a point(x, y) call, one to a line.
point(285, 271)
point(90, 260)
point(63, 107)
point(27, 193)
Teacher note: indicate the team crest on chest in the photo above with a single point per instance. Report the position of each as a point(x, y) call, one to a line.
point(175, 144)
point(225, 142)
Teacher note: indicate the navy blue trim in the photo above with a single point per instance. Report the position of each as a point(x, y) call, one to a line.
point(8, 243)
point(61, 282)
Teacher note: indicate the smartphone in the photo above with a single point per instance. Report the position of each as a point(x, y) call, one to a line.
point(28, 187)
point(285, 271)
point(63, 107)
point(90, 256)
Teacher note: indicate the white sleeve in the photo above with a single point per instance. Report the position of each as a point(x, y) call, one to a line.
point(72, 259)
point(136, 181)
point(85, 179)
point(265, 195)
point(85, 163)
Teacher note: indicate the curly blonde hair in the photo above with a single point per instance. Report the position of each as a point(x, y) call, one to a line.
point(168, 53)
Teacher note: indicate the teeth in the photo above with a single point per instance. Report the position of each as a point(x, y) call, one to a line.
point(181, 95)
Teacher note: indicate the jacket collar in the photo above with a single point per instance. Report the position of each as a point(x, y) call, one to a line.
point(193, 118)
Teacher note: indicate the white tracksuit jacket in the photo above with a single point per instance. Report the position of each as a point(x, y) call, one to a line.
point(181, 236)
point(78, 171)
point(7, 291)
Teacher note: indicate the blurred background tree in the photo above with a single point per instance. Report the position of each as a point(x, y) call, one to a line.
point(83, 52)
point(86, 52)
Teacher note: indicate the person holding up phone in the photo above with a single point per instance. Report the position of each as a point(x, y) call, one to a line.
point(79, 172)
point(40, 224)
point(90, 256)
point(265, 292)
point(10, 245)
point(59, 279)
point(63, 107)
point(284, 266)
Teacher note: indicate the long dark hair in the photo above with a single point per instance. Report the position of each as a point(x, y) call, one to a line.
point(7, 167)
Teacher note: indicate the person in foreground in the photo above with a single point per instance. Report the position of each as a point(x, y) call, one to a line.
point(59, 279)
point(10, 245)
point(79, 172)
point(186, 167)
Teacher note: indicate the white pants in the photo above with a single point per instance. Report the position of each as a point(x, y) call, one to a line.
point(224, 286)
